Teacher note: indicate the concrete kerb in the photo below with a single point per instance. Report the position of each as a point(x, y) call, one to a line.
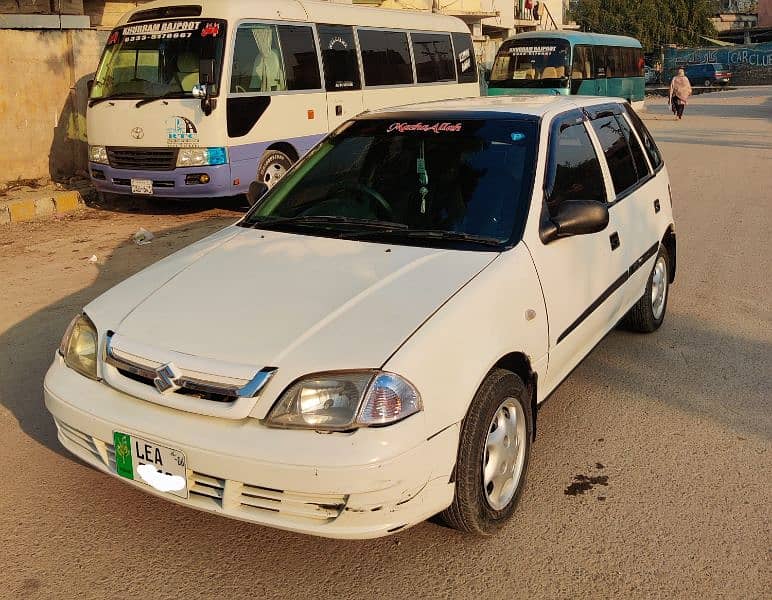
point(41, 204)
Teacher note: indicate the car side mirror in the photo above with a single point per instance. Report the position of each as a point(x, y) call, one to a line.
point(575, 217)
point(257, 189)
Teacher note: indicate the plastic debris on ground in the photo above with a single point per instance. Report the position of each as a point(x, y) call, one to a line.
point(142, 237)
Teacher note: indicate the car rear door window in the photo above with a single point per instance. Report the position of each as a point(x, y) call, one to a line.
point(433, 55)
point(385, 57)
point(648, 141)
point(619, 157)
point(574, 171)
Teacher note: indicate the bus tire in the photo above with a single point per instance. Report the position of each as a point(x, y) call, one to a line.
point(273, 165)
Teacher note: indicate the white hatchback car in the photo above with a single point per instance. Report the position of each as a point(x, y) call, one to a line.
point(368, 346)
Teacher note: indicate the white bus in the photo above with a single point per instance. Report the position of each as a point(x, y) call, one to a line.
point(202, 99)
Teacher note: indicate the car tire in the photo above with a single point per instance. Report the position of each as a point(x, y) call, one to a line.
point(649, 312)
point(708, 83)
point(484, 496)
point(272, 167)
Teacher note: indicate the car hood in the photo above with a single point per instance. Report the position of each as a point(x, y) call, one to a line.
point(299, 303)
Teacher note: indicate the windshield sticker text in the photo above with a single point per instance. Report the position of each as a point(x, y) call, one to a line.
point(532, 50)
point(425, 127)
point(465, 58)
point(212, 29)
point(169, 30)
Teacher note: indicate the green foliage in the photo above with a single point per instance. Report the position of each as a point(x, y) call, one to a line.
point(653, 22)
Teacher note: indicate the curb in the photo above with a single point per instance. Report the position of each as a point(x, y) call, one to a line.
point(46, 205)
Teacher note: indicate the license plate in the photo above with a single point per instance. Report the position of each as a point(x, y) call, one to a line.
point(162, 468)
point(141, 186)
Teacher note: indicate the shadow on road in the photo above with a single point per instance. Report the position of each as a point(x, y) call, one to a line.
point(164, 206)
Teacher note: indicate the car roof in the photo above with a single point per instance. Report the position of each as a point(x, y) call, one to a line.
point(493, 107)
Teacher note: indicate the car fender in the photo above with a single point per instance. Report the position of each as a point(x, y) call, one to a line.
point(499, 312)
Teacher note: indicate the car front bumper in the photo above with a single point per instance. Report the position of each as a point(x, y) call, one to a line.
point(374, 495)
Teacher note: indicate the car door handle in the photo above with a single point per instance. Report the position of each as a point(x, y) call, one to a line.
point(614, 239)
point(657, 207)
point(338, 110)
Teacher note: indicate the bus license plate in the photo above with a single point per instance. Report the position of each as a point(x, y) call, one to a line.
point(142, 186)
point(162, 468)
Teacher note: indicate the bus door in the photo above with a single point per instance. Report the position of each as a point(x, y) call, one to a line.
point(341, 73)
point(601, 84)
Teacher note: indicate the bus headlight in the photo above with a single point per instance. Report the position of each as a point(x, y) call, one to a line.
point(200, 157)
point(98, 154)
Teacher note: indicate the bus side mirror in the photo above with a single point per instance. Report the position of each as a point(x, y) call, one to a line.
point(205, 80)
point(206, 71)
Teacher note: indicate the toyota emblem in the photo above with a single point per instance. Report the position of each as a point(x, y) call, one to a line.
point(137, 133)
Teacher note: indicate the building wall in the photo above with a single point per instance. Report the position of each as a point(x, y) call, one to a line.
point(42, 111)
point(765, 13)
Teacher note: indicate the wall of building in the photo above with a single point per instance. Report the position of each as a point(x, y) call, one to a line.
point(750, 64)
point(43, 107)
point(765, 13)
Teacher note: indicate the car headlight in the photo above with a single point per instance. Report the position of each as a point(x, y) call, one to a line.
point(199, 157)
point(79, 346)
point(98, 154)
point(345, 400)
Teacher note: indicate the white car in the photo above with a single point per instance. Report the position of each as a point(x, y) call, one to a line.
point(369, 345)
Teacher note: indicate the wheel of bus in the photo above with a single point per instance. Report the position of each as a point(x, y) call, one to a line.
point(273, 166)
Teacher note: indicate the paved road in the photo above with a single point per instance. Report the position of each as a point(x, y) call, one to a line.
point(672, 430)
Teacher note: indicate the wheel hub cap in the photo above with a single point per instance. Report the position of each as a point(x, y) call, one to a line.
point(273, 173)
point(504, 454)
point(658, 288)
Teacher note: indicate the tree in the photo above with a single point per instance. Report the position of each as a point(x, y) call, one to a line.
point(653, 22)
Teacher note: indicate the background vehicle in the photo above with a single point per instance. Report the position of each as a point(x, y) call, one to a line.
point(199, 101)
point(563, 62)
point(708, 74)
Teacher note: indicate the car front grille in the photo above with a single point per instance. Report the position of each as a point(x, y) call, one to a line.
point(142, 159)
point(235, 498)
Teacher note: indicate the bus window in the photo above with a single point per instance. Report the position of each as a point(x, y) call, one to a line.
point(582, 66)
point(433, 56)
point(465, 60)
point(599, 53)
point(339, 55)
point(301, 63)
point(614, 64)
point(385, 57)
point(257, 63)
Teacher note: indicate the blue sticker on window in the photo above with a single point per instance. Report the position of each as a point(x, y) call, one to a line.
point(517, 136)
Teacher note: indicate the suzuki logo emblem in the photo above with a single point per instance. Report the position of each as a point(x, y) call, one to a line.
point(137, 133)
point(167, 378)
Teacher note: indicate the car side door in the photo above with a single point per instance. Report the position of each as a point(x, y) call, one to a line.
point(635, 203)
point(578, 273)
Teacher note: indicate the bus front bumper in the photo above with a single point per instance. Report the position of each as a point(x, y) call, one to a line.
point(178, 183)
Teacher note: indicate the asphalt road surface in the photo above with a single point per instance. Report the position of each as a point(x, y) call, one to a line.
point(650, 476)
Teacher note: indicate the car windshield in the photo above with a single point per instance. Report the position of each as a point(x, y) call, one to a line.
point(421, 182)
point(535, 63)
point(160, 59)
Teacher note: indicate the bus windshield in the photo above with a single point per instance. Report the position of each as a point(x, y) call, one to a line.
point(159, 59)
point(531, 63)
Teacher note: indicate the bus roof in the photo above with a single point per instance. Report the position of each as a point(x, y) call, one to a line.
point(310, 11)
point(578, 37)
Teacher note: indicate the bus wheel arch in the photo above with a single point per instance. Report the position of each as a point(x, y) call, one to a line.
point(275, 162)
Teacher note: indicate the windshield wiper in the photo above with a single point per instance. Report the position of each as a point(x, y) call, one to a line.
point(437, 234)
point(370, 224)
point(95, 101)
point(161, 97)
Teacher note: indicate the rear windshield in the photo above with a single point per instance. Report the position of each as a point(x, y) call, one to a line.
point(461, 176)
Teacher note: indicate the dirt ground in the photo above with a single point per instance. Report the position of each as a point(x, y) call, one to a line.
point(650, 477)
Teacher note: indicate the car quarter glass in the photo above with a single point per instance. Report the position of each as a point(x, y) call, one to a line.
point(617, 151)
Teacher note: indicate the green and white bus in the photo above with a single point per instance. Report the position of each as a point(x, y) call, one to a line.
point(568, 62)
